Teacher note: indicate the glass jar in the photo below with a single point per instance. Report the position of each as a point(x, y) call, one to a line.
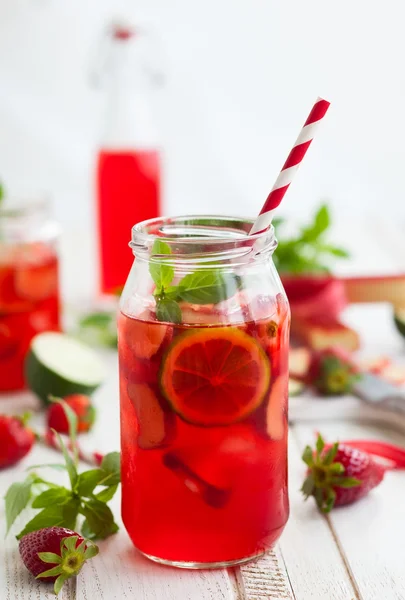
point(29, 300)
point(203, 353)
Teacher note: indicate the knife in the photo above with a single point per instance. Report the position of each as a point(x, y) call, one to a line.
point(380, 393)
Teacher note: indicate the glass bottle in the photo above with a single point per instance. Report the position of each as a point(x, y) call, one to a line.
point(128, 161)
point(29, 293)
point(203, 357)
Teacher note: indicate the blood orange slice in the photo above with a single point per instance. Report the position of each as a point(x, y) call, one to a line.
point(214, 377)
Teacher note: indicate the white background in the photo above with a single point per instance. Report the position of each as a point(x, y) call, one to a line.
point(241, 78)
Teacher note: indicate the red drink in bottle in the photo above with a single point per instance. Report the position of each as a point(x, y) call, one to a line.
point(128, 164)
point(203, 401)
point(128, 192)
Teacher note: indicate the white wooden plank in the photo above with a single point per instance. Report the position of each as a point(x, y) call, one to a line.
point(121, 573)
point(371, 532)
point(266, 578)
point(315, 567)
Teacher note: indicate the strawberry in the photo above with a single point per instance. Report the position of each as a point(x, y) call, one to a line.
point(332, 371)
point(339, 474)
point(54, 554)
point(81, 406)
point(16, 439)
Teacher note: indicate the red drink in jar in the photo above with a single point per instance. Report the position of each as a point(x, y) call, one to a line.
point(29, 299)
point(203, 415)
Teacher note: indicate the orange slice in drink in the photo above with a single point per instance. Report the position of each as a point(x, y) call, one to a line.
point(217, 376)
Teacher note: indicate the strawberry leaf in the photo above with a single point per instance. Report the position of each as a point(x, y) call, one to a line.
point(59, 583)
point(320, 444)
point(17, 498)
point(50, 572)
point(50, 557)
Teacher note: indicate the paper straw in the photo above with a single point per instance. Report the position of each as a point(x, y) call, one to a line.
point(291, 165)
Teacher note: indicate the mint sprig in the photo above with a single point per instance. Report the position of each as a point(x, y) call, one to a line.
point(60, 506)
point(206, 286)
point(308, 252)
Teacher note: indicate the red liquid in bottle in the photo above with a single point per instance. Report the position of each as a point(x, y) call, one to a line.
point(128, 192)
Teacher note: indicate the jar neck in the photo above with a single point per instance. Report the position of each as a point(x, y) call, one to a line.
point(201, 241)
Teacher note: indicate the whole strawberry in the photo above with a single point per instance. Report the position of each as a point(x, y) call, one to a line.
point(54, 554)
point(332, 372)
point(81, 406)
point(16, 439)
point(339, 474)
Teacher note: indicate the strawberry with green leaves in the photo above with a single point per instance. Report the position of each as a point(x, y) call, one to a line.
point(339, 474)
point(332, 371)
point(55, 554)
point(81, 406)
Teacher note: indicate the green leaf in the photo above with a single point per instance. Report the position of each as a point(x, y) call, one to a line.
point(59, 583)
point(322, 219)
point(168, 310)
point(88, 480)
point(349, 482)
point(17, 497)
point(107, 494)
point(71, 468)
point(331, 453)
point(307, 456)
point(70, 542)
point(308, 486)
point(336, 468)
point(1, 192)
point(50, 572)
point(111, 466)
point(161, 273)
point(320, 444)
point(91, 551)
point(57, 466)
point(64, 515)
point(329, 501)
point(58, 495)
point(50, 557)
point(96, 319)
point(203, 287)
point(99, 521)
point(335, 251)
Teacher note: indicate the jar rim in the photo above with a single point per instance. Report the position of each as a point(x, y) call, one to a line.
point(197, 228)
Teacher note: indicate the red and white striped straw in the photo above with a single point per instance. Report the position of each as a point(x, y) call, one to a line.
point(291, 165)
point(49, 439)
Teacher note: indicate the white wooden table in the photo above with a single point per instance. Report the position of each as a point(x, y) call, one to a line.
point(357, 552)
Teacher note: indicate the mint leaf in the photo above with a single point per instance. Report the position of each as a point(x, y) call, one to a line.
point(168, 310)
point(99, 521)
point(54, 516)
point(203, 287)
point(88, 481)
point(161, 273)
point(17, 497)
point(107, 494)
point(111, 467)
point(99, 329)
point(53, 496)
